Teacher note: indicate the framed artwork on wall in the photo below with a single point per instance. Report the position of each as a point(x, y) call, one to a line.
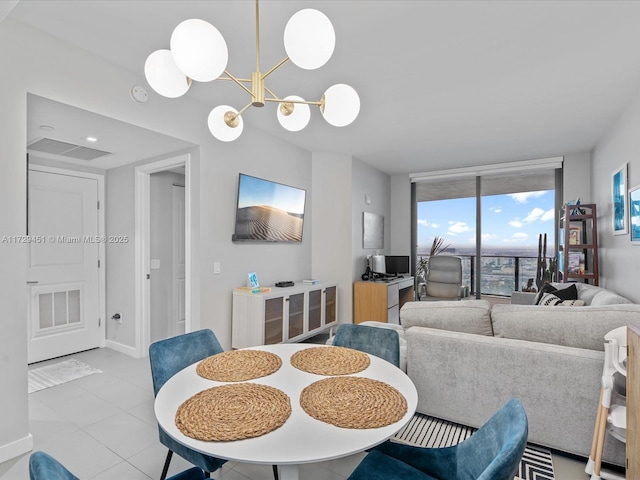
point(619, 200)
point(634, 214)
point(372, 230)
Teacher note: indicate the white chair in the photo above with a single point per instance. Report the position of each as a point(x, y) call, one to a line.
point(612, 410)
point(444, 278)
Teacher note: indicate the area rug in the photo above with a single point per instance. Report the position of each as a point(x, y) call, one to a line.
point(57, 373)
point(432, 432)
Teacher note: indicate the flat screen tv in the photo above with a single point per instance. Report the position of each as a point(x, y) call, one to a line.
point(268, 211)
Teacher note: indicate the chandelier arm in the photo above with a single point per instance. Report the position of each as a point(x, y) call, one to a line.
point(239, 82)
point(277, 66)
point(242, 110)
point(280, 100)
point(244, 80)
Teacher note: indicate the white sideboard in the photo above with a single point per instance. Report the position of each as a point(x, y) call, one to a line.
point(287, 314)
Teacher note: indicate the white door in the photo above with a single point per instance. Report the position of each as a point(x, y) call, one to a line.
point(63, 279)
point(178, 260)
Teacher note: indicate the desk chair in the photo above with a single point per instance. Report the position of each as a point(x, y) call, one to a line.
point(44, 467)
point(381, 342)
point(491, 453)
point(444, 278)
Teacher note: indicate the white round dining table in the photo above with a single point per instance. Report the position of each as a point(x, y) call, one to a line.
point(301, 439)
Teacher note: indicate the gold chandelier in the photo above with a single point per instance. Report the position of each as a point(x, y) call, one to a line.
point(199, 52)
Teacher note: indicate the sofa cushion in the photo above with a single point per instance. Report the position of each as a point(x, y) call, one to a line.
point(580, 327)
point(470, 316)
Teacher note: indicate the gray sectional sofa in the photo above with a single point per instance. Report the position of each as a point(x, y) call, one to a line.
point(467, 358)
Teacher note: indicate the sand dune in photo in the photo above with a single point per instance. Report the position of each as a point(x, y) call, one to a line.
point(267, 223)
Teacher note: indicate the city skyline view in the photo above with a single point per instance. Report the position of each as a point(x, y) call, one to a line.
point(510, 222)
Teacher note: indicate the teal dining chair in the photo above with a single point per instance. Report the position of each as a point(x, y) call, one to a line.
point(491, 453)
point(381, 342)
point(43, 466)
point(167, 357)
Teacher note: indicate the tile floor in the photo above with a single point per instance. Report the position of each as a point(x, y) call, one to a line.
point(103, 427)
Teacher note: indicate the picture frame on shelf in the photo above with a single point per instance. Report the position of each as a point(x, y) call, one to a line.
point(575, 234)
point(634, 214)
point(620, 222)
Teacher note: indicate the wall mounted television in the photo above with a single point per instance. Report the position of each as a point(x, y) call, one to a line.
point(268, 211)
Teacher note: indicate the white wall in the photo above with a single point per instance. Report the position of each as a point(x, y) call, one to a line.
point(400, 224)
point(331, 199)
point(576, 182)
point(619, 260)
point(377, 185)
point(50, 68)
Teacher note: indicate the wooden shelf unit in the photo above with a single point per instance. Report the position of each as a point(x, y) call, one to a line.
point(578, 249)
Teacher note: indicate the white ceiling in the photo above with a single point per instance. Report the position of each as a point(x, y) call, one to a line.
point(442, 83)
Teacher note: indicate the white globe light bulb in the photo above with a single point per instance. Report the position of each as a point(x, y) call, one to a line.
point(199, 50)
point(309, 39)
point(341, 105)
point(164, 76)
point(298, 118)
point(218, 126)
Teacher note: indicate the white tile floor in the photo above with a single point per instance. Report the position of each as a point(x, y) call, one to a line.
point(103, 427)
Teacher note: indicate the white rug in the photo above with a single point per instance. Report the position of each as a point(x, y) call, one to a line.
point(431, 432)
point(57, 373)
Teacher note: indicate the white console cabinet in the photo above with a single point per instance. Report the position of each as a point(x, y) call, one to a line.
point(288, 314)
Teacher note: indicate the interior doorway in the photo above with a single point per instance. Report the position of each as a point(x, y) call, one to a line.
point(145, 271)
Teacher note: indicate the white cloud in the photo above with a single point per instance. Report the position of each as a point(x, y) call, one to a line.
point(495, 209)
point(458, 227)
point(548, 215)
point(425, 223)
point(487, 236)
point(534, 215)
point(516, 223)
point(523, 197)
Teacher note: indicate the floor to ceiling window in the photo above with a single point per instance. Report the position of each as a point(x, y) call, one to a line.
point(496, 221)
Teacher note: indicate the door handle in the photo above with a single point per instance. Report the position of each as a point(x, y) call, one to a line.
point(32, 282)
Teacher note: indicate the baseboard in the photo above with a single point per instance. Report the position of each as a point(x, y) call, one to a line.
point(119, 347)
point(15, 449)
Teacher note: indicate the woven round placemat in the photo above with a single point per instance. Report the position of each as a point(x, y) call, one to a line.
point(353, 402)
point(239, 365)
point(233, 412)
point(330, 360)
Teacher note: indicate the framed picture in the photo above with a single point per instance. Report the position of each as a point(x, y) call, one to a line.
point(634, 214)
point(619, 201)
point(575, 234)
point(372, 230)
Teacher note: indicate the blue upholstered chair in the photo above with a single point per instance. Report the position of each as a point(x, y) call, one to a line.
point(44, 467)
point(491, 453)
point(381, 342)
point(168, 357)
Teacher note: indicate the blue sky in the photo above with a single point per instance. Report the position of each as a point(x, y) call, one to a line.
point(256, 191)
point(511, 220)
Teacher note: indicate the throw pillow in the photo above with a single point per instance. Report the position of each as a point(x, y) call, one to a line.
point(572, 303)
point(546, 288)
point(569, 293)
point(549, 300)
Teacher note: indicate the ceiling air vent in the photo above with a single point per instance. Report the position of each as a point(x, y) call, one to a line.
point(69, 150)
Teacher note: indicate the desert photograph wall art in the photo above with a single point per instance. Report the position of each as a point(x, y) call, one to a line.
point(269, 211)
